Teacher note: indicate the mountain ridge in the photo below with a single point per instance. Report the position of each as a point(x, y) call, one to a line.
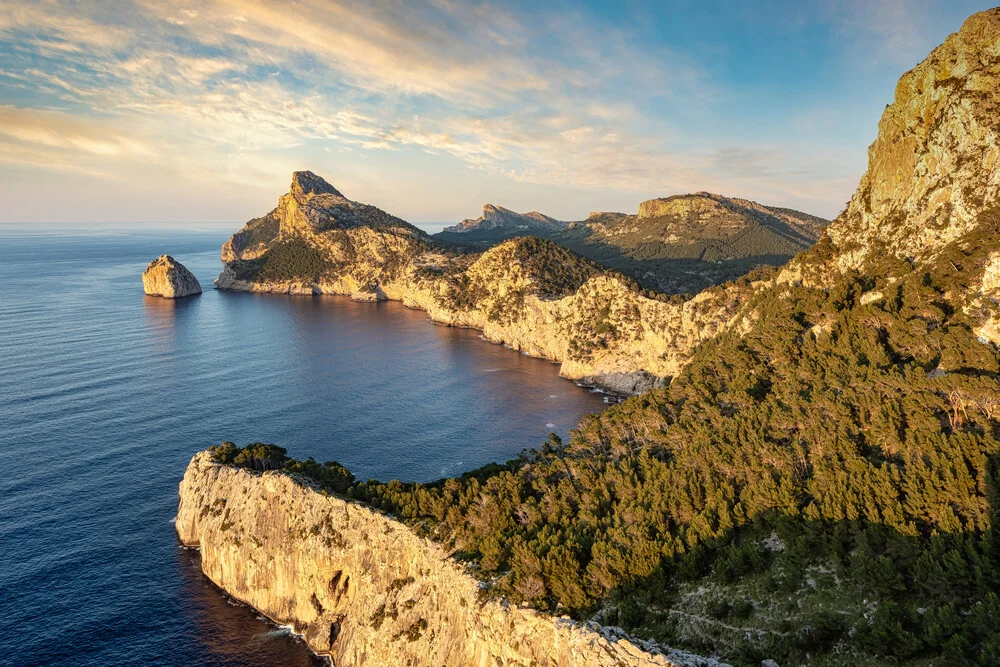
point(494, 217)
point(812, 476)
point(682, 243)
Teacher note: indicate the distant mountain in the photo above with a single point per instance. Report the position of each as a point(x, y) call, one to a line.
point(811, 475)
point(504, 220)
point(674, 244)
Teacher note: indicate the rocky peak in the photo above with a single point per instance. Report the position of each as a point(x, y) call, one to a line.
point(936, 161)
point(306, 183)
point(312, 206)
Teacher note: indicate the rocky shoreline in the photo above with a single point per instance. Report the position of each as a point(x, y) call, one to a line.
point(604, 334)
point(362, 588)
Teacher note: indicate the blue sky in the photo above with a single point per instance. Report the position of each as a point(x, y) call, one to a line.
point(152, 110)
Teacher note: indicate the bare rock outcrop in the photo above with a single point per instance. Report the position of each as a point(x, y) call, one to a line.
point(365, 590)
point(167, 277)
point(936, 162)
point(530, 294)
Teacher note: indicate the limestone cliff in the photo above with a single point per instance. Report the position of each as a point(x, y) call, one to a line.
point(528, 293)
point(167, 277)
point(936, 161)
point(366, 590)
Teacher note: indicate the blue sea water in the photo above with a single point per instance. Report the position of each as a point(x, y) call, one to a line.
point(106, 393)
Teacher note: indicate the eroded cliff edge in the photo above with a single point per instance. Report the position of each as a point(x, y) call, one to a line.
point(364, 589)
point(528, 293)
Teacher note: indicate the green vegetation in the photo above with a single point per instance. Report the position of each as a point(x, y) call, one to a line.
point(823, 487)
point(554, 271)
point(297, 258)
point(258, 231)
point(260, 457)
point(291, 258)
point(542, 268)
point(672, 254)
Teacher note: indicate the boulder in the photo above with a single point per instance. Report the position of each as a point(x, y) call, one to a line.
point(168, 278)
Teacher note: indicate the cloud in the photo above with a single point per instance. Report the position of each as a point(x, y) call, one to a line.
point(243, 89)
point(51, 129)
point(897, 32)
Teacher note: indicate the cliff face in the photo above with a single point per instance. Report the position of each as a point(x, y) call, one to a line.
point(364, 589)
point(936, 162)
point(532, 295)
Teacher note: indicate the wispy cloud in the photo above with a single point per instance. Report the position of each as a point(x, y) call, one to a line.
point(463, 79)
point(244, 89)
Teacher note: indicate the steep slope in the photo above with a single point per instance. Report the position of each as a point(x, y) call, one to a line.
point(531, 294)
point(311, 207)
point(936, 162)
point(364, 589)
point(675, 244)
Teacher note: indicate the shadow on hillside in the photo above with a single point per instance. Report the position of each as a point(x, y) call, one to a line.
point(790, 589)
point(690, 270)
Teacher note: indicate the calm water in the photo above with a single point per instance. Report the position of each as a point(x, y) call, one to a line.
point(105, 394)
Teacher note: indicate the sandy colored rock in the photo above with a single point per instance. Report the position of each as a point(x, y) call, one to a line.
point(936, 162)
point(366, 590)
point(605, 333)
point(167, 277)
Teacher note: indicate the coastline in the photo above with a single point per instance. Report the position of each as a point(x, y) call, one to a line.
point(664, 343)
point(360, 586)
point(610, 392)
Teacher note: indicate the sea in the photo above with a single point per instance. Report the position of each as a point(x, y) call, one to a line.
point(106, 393)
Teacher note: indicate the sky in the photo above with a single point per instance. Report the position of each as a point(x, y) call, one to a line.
point(164, 110)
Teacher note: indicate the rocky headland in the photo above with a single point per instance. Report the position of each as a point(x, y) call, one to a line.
point(816, 484)
point(167, 277)
point(529, 293)
point(365, 590)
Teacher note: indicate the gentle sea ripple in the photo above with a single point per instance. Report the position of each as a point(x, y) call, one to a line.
point(105, 394)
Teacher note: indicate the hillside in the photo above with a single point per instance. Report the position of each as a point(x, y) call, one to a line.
point(679, 244)
point(530, 293)
point(818, 485)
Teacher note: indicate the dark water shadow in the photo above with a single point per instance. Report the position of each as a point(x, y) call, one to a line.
point(232, 633)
